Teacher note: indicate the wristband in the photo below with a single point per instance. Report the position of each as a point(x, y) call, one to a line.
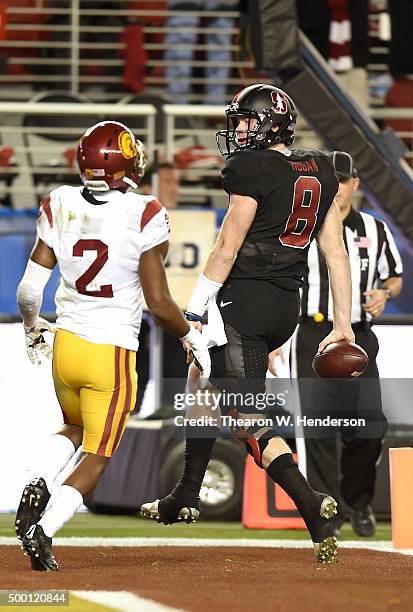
point(205, 290)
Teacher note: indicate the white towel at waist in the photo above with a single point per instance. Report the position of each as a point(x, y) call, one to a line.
point(214, 331)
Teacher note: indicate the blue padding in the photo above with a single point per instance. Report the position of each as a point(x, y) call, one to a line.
point(220, 212)
point(14, 253)
point(11, 213)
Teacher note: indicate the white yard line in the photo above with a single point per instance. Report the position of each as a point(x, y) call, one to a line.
point(123, 600)
point(381, 545)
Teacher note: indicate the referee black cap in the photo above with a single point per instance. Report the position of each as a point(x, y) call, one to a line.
point(343, 164)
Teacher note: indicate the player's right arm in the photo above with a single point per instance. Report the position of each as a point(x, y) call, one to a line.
point(164, 308)
point(243, 204)
point(330, 240)
point(30, 290)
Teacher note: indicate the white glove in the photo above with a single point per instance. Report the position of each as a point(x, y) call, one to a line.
point(35, 342)
point(199, 349)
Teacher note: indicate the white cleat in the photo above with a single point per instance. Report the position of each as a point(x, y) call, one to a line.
point(150, 510)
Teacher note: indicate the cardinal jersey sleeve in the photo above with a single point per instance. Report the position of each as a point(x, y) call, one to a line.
point(241, 174)
point(45, 222)
point(154, 225)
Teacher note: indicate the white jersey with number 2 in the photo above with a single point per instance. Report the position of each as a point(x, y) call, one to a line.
point(98, 247)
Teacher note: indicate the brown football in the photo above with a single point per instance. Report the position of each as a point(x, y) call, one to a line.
point(341, 360)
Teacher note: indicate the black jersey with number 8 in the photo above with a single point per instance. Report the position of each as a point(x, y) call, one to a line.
point(294, 194)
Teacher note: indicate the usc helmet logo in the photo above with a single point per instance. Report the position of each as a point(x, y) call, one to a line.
point(127, 145)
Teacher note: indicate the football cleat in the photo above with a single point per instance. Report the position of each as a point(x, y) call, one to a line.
point(32, 505)
point(38, 546)
point(325, 550)
point(339, 521)
point(152, 511)
point(363, 522)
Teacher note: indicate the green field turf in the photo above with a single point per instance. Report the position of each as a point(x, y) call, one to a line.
point(99, 525)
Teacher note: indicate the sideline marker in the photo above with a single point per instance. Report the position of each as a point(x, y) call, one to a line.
point(265, 504)
point(401, 479)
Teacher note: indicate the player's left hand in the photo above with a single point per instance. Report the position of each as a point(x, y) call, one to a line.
point(376, 302)
point(335, 336)
point(36, 345)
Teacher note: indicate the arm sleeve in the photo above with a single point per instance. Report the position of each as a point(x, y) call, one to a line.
point(154, 225)
point(389, 263)
point(45, 222)
point(30, 292)
point(241, 176)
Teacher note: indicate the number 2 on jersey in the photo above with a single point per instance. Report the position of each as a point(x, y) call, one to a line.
point(95, 267)
point(303, 216)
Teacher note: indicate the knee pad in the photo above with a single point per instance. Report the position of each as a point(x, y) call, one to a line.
point(247, 438)
point(256, 447)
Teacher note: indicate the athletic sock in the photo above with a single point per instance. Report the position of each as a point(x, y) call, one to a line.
point(64, 474)
point(55, 452)
point(66, 503)
point(196, 458)
point(284, 471)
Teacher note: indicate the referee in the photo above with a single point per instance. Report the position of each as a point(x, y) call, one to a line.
point(376, 270)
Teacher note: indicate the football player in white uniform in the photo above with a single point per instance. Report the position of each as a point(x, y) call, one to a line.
point(110, 247)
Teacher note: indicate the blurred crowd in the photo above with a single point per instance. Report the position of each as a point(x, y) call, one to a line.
point(195, 44)
point(198, 51)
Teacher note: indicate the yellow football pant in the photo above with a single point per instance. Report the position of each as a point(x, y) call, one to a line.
point(96, 387)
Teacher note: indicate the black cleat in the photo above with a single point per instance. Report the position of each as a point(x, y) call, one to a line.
point(38, 546)
point(32, 505)
point(168, 510)
point(363, 522)
point(338, 522)
point(325, 542)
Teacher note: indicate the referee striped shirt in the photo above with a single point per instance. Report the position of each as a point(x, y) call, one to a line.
point(373, 256)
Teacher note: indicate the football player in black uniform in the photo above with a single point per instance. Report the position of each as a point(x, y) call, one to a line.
point(279, 200)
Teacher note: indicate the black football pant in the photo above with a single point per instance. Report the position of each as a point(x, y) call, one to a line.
point(341, 462)
point(258, 318)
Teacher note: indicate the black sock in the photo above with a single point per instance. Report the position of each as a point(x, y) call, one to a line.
point(284, 471)
point(196, 458)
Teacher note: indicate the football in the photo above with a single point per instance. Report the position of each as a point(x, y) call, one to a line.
point(341, 360)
